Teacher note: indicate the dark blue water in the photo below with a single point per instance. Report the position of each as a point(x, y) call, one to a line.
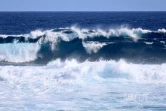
point(24, 22)
point(137, 37)
point(82, 61)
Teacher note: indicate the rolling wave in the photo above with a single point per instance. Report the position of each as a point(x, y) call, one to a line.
point(137, 45)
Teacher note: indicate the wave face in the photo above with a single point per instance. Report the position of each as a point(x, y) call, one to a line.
point(135, 45)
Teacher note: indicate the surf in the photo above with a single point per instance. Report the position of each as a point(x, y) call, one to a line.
point(87, 82)
point(85, 44)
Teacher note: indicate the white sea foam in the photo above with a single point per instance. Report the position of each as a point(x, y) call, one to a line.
point(25, 52)
point(83, 33)
point(19, 52)
point(135, 33)
point(71, 84)
point(72, 70)
point(93, 47)
point(162, 30)
point(148, 43)
point(35, 34)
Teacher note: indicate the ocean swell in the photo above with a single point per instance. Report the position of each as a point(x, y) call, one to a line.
point(92, 44)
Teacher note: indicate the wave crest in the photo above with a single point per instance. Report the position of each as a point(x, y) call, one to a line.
point(59, 41)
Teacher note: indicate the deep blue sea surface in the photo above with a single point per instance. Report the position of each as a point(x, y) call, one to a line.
point(83, 61)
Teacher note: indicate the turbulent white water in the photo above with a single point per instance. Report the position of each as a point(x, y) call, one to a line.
point(70, 85)
point(93, 47)
point(26, 52)
point(19, 52)
point(83, 33)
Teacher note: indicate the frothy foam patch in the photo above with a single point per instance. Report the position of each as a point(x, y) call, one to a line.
point(67, 82)
point(112, 69)
point(93, 47)
point(72, 70)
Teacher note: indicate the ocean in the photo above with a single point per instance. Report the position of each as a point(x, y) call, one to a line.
point(82, 61)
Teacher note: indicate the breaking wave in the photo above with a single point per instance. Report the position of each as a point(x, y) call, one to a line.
point(137, 44)
point(73, 71)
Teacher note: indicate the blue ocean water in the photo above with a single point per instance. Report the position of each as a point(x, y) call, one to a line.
point(82, 61)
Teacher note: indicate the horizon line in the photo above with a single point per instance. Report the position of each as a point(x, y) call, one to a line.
point(82, 11)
